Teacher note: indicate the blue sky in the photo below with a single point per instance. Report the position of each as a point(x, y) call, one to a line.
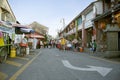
point(47, 12)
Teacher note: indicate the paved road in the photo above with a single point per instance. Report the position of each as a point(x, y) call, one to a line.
point(52, 64)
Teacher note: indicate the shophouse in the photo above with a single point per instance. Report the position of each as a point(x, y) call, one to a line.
point(107, 27)
point(41, 31)
point(81, 27)
point(7, 17)
point(6, 13)
point(39, 28)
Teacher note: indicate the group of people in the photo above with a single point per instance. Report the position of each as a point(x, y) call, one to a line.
point(64, 44)
point(47, 44)
point(74, 45)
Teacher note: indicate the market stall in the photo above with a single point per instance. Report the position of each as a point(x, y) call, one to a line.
point(6, 35)
point(21, 40)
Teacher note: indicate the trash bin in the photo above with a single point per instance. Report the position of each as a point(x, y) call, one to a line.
point(13, 53)
point(27, 50)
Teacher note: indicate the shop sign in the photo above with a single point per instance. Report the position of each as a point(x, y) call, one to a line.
point(6, 29)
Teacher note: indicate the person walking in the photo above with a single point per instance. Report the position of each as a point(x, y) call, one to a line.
point(94, 46)
point(63, 43)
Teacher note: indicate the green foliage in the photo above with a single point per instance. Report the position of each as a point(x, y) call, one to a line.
point(46, 38)
point(71, 37)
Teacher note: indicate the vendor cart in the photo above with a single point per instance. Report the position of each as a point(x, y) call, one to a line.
point(4, 46)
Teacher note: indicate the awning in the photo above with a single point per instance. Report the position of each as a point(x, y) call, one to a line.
point(18, 25)
point(35, 36)
point(27, 30)
point(20, 29)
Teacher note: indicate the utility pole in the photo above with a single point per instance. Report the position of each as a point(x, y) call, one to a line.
point(63, 23)
point(63, 26)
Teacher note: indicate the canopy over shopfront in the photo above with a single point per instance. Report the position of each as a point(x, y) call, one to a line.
point(20, 29)
point(35, 36)
point(26, 30)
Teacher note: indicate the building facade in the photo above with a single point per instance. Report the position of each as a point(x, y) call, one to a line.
point(6, 13)
point(99, 21)
point(108, 27)
point(81, 27)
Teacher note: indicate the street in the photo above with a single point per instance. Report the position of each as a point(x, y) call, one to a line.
point(52, 40)
point(53, 64)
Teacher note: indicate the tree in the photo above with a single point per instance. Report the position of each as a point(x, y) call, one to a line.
point(46, 37)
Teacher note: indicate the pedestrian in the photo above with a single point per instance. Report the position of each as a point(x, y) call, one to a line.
point(63, 43)
point(41, 44)
point(50, 44)
point(94, 46)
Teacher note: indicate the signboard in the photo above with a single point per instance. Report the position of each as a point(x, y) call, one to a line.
point(6, 29)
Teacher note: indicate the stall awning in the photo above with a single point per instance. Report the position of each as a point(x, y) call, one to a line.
point(20, 29)
point(27, 30)
point(18, 25)
point(35, 36)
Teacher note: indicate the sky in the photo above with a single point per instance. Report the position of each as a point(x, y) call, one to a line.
point(48, 12)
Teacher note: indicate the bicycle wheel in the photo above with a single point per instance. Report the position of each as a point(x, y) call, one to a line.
point(3, 54)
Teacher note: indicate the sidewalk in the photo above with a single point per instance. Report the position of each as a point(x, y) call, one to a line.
point(101, 55)
point(13, 65)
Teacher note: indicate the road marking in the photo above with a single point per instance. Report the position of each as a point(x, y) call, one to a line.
point(14, 63)
point(23, 58)
point(102, 70)
point(105, 60)
point(14, 77)
point(3, 76)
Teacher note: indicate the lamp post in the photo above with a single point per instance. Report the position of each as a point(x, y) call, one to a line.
point(63, 24)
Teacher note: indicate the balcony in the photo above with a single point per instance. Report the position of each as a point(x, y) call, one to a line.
point(71, 31)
